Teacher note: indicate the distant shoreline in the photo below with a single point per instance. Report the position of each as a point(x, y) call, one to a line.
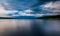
point(43, 17)
point(50, 17)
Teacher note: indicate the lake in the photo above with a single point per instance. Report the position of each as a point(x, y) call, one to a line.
point(29, 27)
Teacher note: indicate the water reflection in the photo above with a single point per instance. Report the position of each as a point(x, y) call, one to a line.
point(29, 27)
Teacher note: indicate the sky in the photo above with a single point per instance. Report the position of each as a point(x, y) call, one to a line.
point(29, 7)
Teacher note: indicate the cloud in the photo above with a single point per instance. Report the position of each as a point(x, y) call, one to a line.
point(5, 8)
point(23, 8)
point(15, 6)
point(28, 11)
point(23, 13)
point(18, 4)
point(51, 7)
point(3, 11)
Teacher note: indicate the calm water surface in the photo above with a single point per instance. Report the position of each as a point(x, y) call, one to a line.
point(29, 27)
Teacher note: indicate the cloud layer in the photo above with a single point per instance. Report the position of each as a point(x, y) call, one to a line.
point(24, 7)
point(18, 4)
point(53, 7)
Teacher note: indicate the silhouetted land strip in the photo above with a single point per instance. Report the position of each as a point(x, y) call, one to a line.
point(43, 17)
point(50, 17)
point(20, 17)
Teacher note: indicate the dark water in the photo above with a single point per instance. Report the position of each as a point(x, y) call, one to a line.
point(29, 27)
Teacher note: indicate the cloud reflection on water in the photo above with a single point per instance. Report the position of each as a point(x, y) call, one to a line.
point(29, 27)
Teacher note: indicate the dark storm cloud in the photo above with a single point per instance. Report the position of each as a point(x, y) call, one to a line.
point(19, 4)
point(47, 0)
point(23, 4)
point(40, 2)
